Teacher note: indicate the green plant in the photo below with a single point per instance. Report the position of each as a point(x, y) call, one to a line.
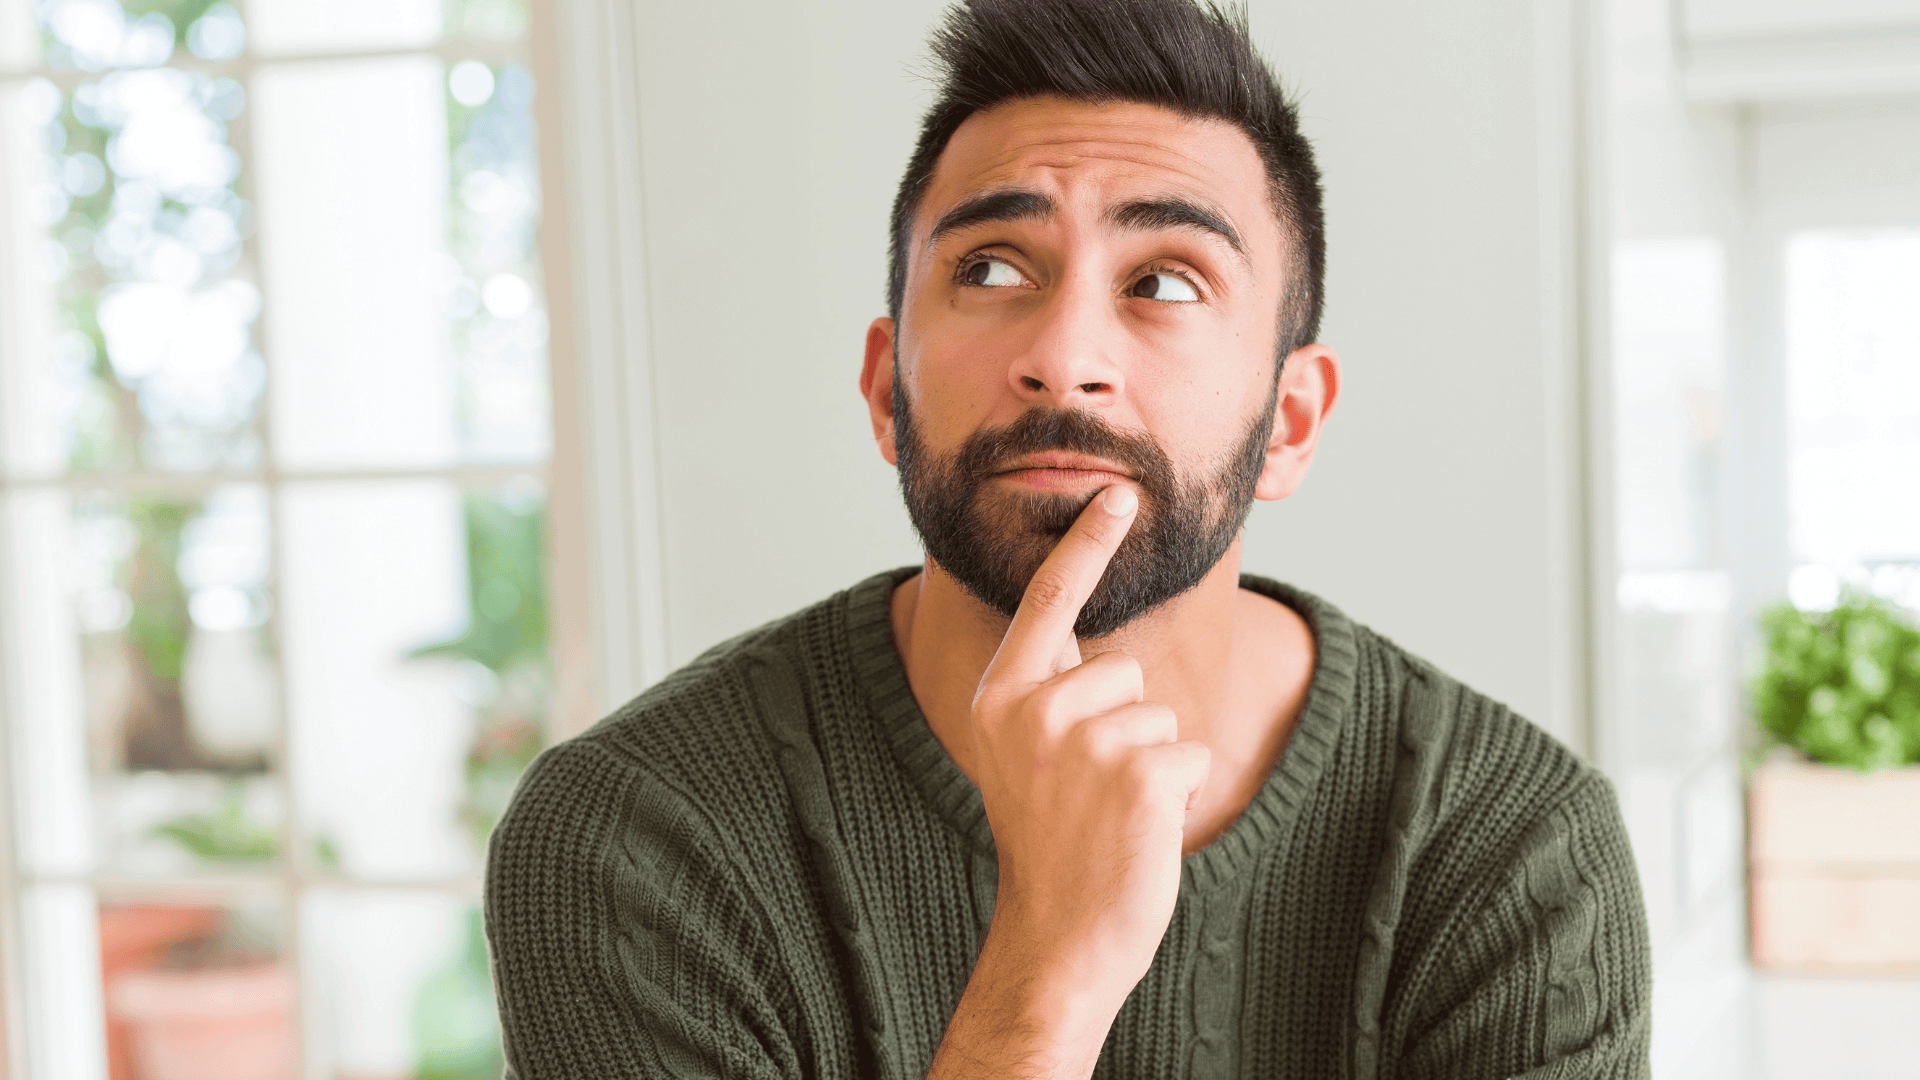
point(1843, 685)
point(224, 835)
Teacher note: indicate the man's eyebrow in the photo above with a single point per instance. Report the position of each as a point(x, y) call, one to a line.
point(1175, 213)
point(1013, 204)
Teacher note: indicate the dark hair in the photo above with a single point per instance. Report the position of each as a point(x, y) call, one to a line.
point(1195, 58)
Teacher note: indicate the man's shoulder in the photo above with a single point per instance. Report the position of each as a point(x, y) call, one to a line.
point(1435, 729)
point(1479, 790)
point(1473, 753)
point(717, 722)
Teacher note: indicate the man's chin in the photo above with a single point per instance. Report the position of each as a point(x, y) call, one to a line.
point(1016, 518)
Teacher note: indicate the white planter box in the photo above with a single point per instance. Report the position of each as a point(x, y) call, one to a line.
point(1834, 859)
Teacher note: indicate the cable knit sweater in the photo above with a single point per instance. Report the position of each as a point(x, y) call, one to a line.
point(766, 866)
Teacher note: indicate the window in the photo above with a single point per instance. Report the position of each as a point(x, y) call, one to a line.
point(274, 448)
point(1853, 414)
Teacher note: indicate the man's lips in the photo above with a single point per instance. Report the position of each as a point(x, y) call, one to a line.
point(1063, 472)
point(1056, 462)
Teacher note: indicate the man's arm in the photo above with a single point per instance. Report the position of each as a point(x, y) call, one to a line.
point(622, 946)
point(1086, 787)
point(1547, 973)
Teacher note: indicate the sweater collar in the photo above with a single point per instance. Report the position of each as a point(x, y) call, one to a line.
point(1267, 820)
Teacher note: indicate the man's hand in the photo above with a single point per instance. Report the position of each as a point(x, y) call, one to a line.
point(1087, 790)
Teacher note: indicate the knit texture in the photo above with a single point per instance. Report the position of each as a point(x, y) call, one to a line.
point(766, 866)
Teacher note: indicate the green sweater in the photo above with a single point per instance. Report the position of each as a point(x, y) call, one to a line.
point(766, 866)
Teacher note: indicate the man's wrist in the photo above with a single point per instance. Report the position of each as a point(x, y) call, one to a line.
point(1027, 1014)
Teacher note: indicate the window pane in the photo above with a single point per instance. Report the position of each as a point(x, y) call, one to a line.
point(496, 19)
point(129, 265)
point(417, 646)
point(492, 283)
point(19, 35)
point(48, 744)
point(282, 27)
point(182, 702)
point(1853, 406)
point(32, 411)
point(197, 991)
point(400, 986)
point(92, 35)
point(374, 573)
point(352, 163)
point(149, 712)
point(500, 654)
point(432, 251)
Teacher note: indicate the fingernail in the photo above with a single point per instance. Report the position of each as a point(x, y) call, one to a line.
point(1120, 500)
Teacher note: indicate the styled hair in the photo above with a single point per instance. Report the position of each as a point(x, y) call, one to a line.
point(1191, 56)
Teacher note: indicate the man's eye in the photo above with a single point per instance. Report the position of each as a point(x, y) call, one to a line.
point(1169, 287)
point(993, 272)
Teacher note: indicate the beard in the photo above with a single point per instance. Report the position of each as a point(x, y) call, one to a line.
point(992, 539)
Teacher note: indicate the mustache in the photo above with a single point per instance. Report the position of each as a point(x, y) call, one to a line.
point(1072, 431)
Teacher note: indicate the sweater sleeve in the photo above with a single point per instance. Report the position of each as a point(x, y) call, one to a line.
point(622, 946)
point(1547, 973)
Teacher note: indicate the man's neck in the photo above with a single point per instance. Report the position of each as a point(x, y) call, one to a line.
point(1232, 664)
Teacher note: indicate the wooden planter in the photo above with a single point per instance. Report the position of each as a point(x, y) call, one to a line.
point(1835, 869)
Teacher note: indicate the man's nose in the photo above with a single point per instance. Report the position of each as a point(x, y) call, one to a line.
point(1072, 355)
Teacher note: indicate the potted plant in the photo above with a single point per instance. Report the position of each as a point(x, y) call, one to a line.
point(213, 1005)
point(1834, 818)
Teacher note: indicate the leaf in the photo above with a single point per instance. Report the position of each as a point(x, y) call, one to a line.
point(1844, 685)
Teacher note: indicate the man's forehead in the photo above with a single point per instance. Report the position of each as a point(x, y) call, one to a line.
point(1093, 154)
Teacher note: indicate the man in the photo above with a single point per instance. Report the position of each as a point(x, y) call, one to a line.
point(1076, 797)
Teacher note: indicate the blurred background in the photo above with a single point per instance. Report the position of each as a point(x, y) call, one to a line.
point(389, 388)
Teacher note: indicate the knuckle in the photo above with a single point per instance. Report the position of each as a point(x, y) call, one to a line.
point(1142, 769)
point(1050, 706)
point(1159, 768)
point(988, 695)
point(1092, 737)
point(1103, 737)
point(1156, 723)
point(1195, 762)
point(1043, 699)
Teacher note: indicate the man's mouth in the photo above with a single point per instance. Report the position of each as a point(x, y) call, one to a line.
point(1075, 474)
point(1055, 462)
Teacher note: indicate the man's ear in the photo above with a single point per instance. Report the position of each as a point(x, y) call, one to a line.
point(876, 385)
point(1309, 384)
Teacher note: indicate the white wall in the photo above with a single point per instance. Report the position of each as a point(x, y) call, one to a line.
point(1786, 17)
point(1440, 509)
point(774, 135)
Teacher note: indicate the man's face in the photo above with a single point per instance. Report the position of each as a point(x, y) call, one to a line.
point(1092, 296)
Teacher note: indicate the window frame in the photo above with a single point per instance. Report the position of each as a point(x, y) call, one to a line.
point(602, 555)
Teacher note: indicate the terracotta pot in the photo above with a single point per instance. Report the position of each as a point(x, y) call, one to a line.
point(211, 1024)
point(133, 936)
point(1834, 859)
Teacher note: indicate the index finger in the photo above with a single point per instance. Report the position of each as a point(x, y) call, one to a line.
point(1059, 589)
